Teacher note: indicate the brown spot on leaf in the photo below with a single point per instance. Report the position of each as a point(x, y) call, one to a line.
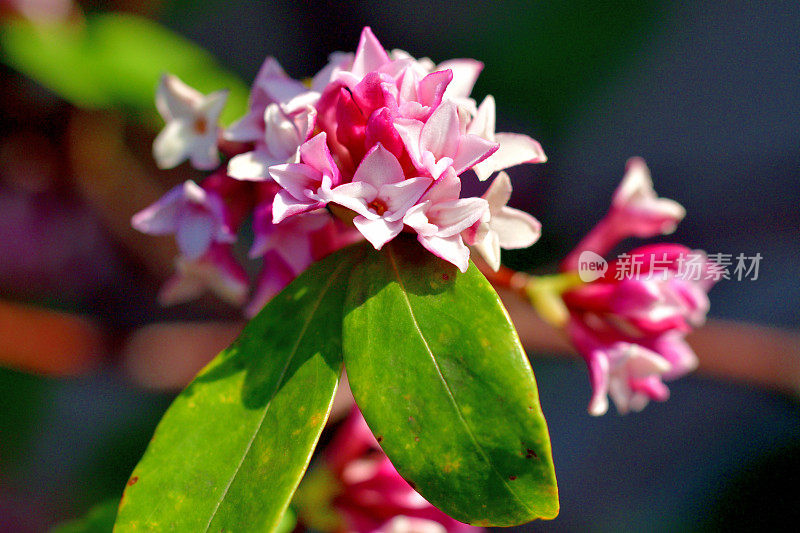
point(379, 438)
point(530, 454)
point(416, 439)
point(132, 481)
point(445, 277)
point(512, 478)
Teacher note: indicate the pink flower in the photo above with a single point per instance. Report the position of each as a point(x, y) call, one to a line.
point(191, 129)
point(271, 86)
point(630, 324)
point(373, 497)
point(197, 218)
point(441, 216)
point(290, 239)
point(419, 96)
point(440, 142)
point(636, 211)
point(369, 57)
point(381, 196)
point(217, 270)
point(502, 226)
point(286, 127)
point(381, 138)
point(305, 185)
point(465, 73)
point(289, 247)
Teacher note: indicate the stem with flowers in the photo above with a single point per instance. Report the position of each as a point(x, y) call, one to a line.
point(353, 185)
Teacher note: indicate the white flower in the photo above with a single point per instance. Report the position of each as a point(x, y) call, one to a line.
point(502, 226)
point(191, 129)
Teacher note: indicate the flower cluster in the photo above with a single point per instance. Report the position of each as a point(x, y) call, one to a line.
point(375, 144)
point(630, 324)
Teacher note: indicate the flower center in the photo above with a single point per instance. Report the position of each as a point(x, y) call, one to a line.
point(200, 125)
point(378, 205)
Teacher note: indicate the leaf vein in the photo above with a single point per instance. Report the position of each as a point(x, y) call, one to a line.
point(289, 360)
point(450, 395)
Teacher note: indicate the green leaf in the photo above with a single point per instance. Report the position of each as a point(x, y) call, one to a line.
point(99, 519)
point(439, 373)
point(232, 448)
point(115, 60)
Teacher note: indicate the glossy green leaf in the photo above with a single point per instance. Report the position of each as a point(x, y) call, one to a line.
point(230, 451)
point(115, 60)
point(439, 373)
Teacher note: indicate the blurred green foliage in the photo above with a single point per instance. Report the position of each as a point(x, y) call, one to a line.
point(99, 519)
point(115, 61)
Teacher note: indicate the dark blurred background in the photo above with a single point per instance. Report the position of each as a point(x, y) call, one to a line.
point(708, 93)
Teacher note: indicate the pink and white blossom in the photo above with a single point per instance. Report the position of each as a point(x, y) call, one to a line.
point(381, 196)
point(630, 326)
point(627, 372)
point(441, 142)
point(372, 496)
point(636, 211)
point(216, 271)
point(501, 226)
point(286, 127)
point(271, 86)
point(191, 128)
point(305, 185)
point(197, 218)
point(441, 216)
point(381, 138)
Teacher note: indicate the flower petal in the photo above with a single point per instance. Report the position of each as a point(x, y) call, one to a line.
point(378, 231)
point(379, 167)
point(451, 248)
point(471, 151)
point(173, 144)
point(315, 153)
point(515, 149)
point(161, 217)
point(296, 178)
point(195, 233)
point(370, 54)
point(515, 229)
point(286, 205)
point(440, 134)
point(455, 216)
point(489, 248)
point(399, 197)
point(465, 74)
point(252, 166)
point(175, 99)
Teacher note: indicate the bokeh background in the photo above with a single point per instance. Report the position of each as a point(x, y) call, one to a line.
point(708, 93)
